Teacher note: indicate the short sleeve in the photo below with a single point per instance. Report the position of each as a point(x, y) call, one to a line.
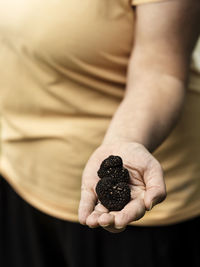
point(138, 2)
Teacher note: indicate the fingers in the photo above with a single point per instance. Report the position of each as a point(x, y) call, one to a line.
point(101, 217)
point(116, 222)
point(93, 219)
point(133, 211)
point(106, 220)
point(87, 203)
point(155, 185)
point(153, 196)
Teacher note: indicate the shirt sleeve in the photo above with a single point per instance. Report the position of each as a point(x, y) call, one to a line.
point(138, 2)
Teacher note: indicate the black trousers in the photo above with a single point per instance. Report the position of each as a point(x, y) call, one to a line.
point(30, 238)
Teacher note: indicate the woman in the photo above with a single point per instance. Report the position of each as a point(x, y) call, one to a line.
point(67, 69)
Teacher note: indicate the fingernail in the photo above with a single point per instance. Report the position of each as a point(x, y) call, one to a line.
point(119, 227)
point(104, 225)
point(151, 206)
point(92, 226)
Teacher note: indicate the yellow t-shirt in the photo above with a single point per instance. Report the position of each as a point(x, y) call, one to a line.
point(63, 67)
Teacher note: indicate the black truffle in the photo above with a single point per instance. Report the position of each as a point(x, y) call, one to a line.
point(113, 190)
point(111, 161)
point(119, 173)
point(114, 196)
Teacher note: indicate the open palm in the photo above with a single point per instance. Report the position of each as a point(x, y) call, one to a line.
point(146, 184)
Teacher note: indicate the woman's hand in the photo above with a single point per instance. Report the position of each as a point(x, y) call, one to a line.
point(146, 183)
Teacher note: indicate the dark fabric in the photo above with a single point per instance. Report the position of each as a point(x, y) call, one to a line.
point(29, 238)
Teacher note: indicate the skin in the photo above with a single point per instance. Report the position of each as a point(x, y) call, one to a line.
point(165, 35)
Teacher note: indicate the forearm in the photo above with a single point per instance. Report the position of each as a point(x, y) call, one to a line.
point(157, 72)
point(148, 112)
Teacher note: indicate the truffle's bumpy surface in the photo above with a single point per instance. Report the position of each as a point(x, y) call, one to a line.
point(114, 196)
point(113, 190)
point(111, 161)
point(120, 174)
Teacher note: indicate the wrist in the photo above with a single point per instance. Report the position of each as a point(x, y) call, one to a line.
point(118, 142)
point(111, 139)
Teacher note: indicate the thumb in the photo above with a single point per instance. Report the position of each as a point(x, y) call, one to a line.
point(87, 203)
point(88, 196)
